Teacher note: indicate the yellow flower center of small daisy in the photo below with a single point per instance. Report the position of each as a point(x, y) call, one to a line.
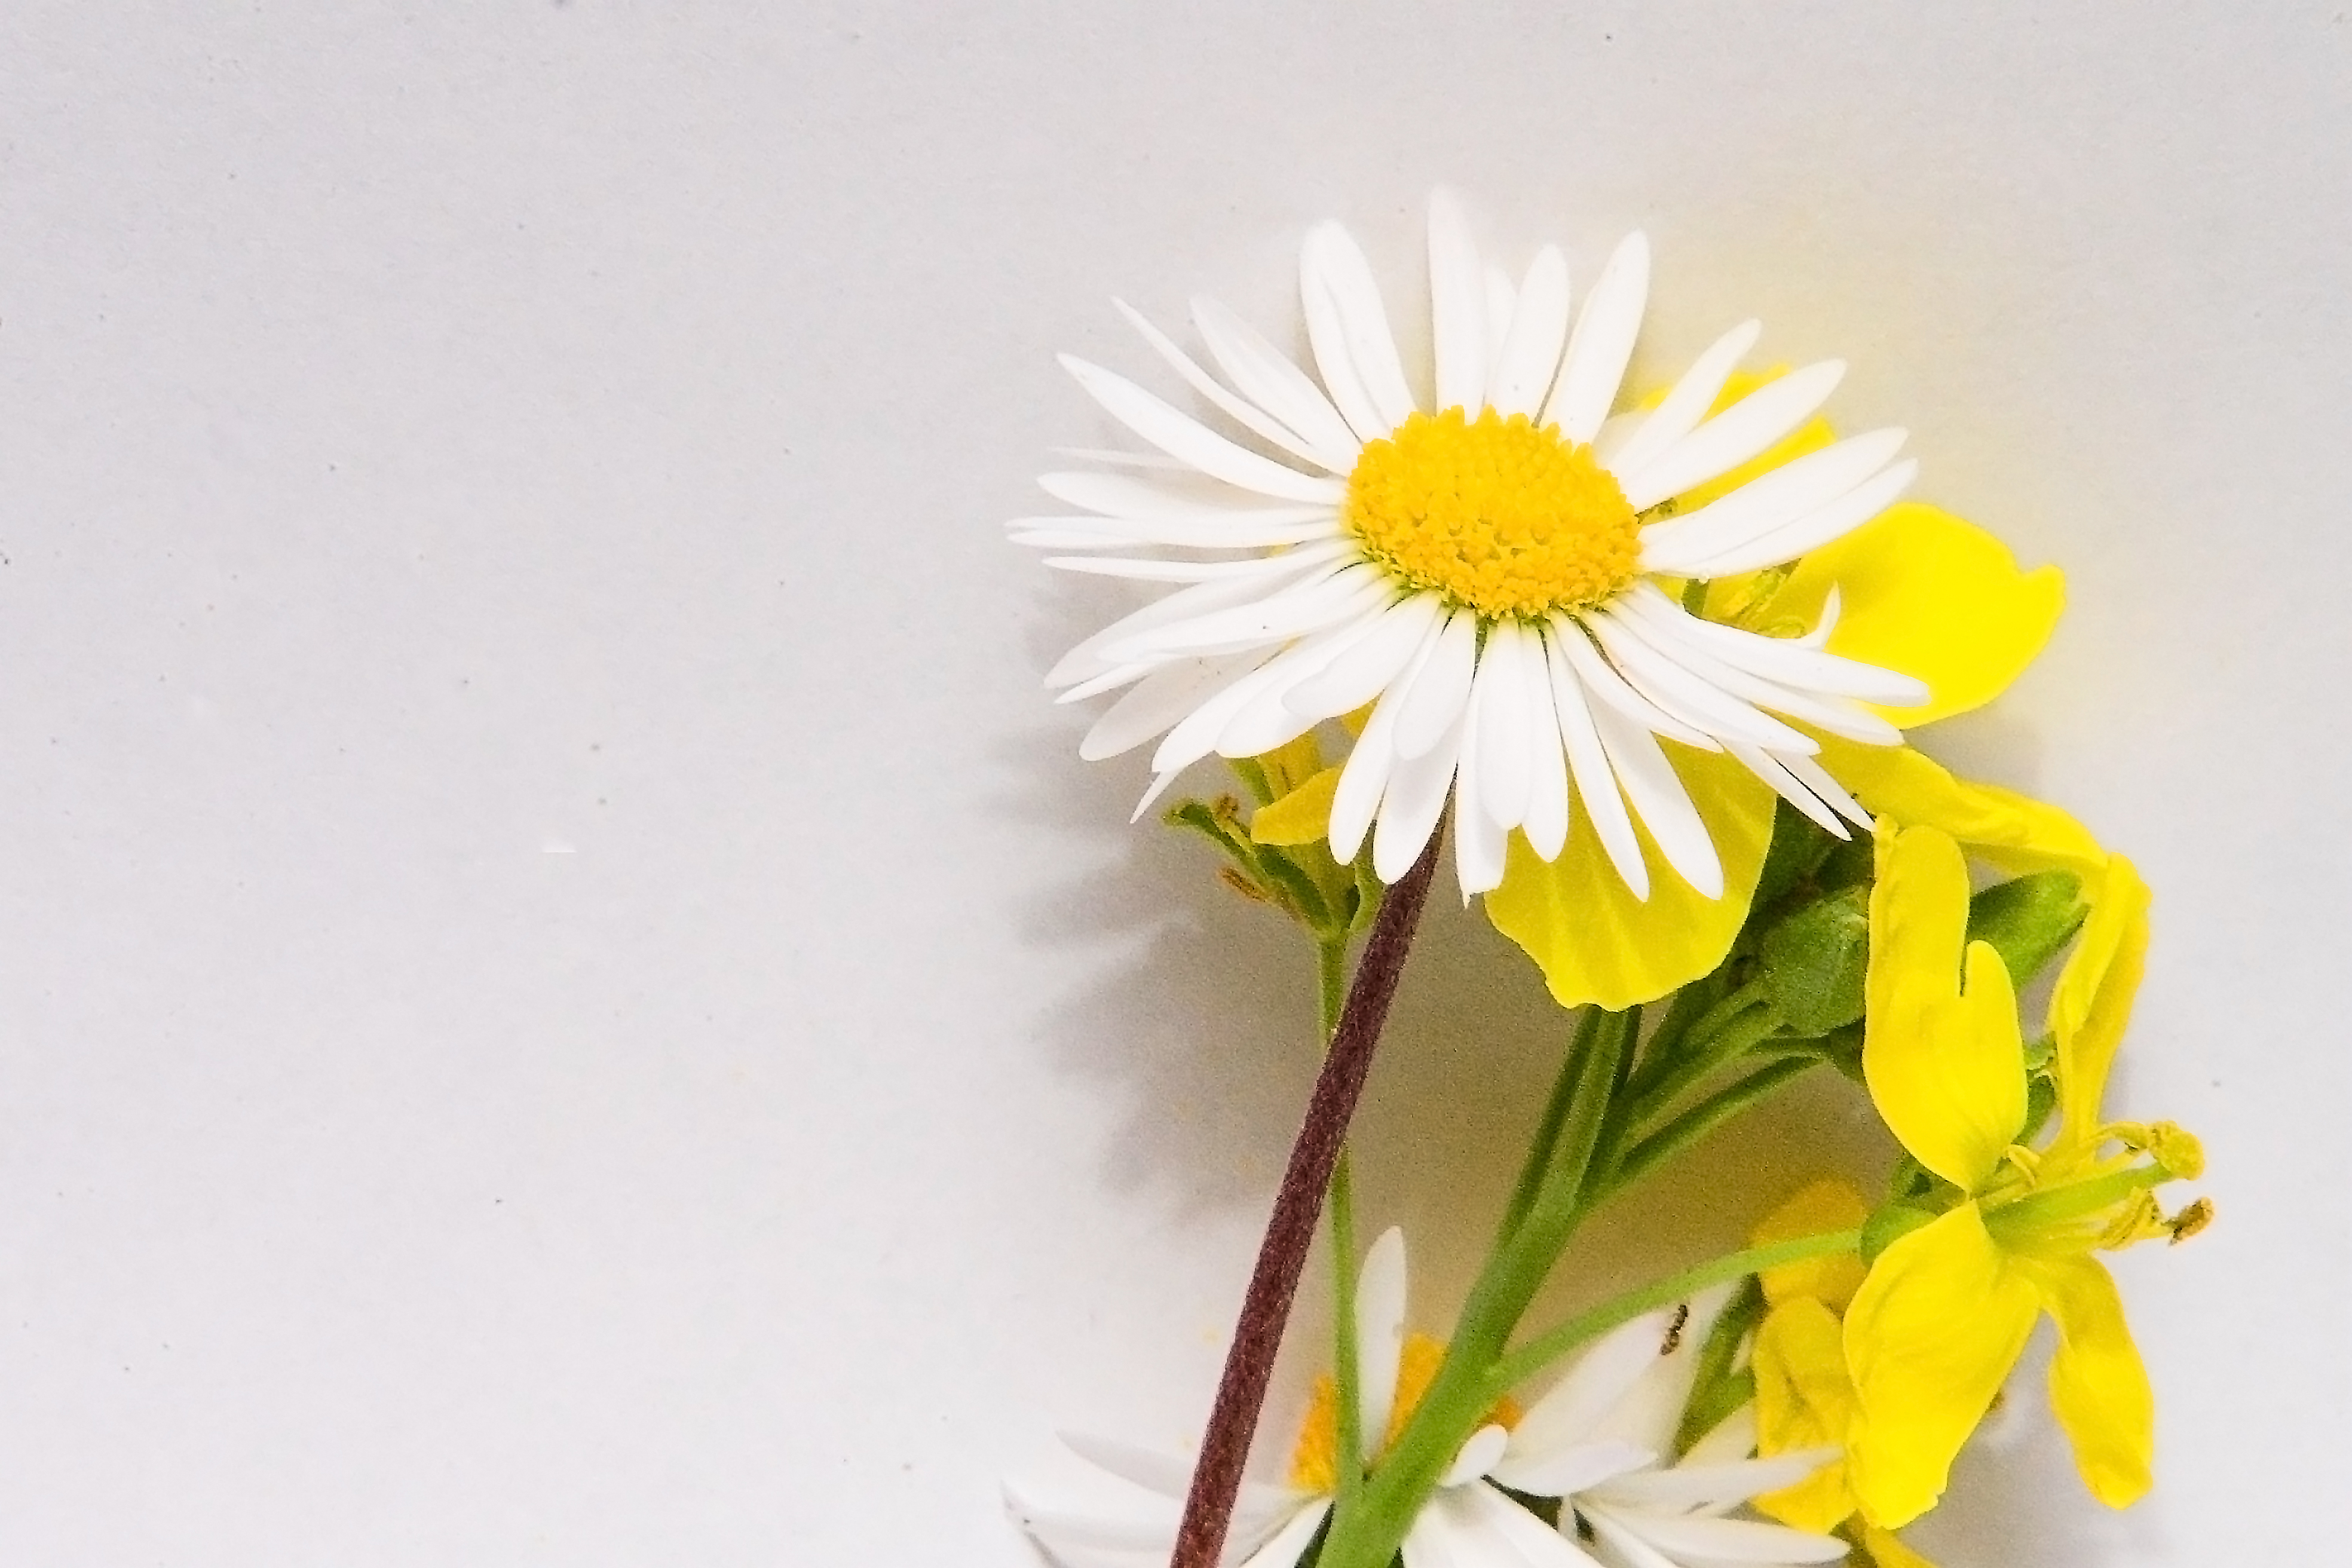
point(1498, 514)
point(1315, 1461)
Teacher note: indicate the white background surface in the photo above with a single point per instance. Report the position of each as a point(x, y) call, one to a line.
point(564, 998)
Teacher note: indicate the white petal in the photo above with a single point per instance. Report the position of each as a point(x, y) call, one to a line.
point(1442, 690)
point(1349, 333)
point(1457, 306)
point(1364, 780)
point(1530, 351)
point(1602, 680)
point(1365, 671)
point(1601, 342)
point(1090, 658)
point(1688, 1486)
point(1767, 502)
point(1765, 765)
point(1448, 1534)
point(1572, 1470)
point(1729, 1540)
point(1196, 736)
point(1159, 569)
point(1160, 701)
point(1208, 531)
point(1626, 1548)
point(1669, 680)
point(1248, 414)
point(1659, 799)
point(1506, 747)
point(1481, 844)
point(1668, 631)
point(1816, 778)
point(1266, 375)
point(1502, 302)
point(1785, 661)
point(1731, 1439)
point(1169, 1475)
point(1824, 526)
point(1538, 1544)
point(1320, 598)
point(1617, 432)
point(1380, 1335)
point(1180, 435)
point(1548, 812)
point(1596, 782)
point(1734, 436)
point(1689, 401)
point(1183, 498)
point(1477, 1455)
point(1416, 796)
point(1566, 1417)
point(1290, 1543)
point(1113, 458)
point(1267, 720)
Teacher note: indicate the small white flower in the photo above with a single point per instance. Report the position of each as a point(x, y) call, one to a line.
point(1485, 567)
point(1594, 1441)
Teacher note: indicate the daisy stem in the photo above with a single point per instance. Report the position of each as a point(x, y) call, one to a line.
point(1331, 972)
point(1549, 1347)
point(1290, 1230)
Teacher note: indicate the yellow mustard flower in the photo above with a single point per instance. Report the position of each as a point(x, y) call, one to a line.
point(1804, 1395)
point(1946, 1309)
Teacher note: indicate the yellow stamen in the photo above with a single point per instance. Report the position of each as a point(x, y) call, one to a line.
point(1499, 515)
point(1315, 1461)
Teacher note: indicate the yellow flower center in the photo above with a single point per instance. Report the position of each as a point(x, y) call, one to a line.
point(1498, 514)
point(1314, 1462)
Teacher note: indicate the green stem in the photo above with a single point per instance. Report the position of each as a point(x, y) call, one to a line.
point(1538, 1160)
point(1369, 1533)
point(1331, 974)
point(1705, 1117)
point(1549, 1347)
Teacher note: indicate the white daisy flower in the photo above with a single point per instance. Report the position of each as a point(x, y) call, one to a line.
point(1594, 1442)
point(1491, 567)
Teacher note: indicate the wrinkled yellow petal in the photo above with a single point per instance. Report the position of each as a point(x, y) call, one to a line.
point(1944, 1063)
point(1824, 1206)
point(1804, 1400)
point(1302, 817)
point(2097, 1384)
point(1881, 1550)
point(2014, 832)
point(1931, 1335)
point(1934, 597)
point(2093, 999)
point(1593, 940)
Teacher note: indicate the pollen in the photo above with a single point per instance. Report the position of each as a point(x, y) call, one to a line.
point(1500, 515)
point(1315, 1461)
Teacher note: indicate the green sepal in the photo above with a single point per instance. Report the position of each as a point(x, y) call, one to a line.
point(2028, 919)
point(1719, 1387)
point(1811, 963)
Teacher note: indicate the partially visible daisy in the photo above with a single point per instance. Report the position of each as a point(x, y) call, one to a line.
point(1595, 1442)
point(1495, 569)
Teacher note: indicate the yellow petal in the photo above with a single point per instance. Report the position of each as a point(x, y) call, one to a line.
point(1883, 1551)
point(1291, 763)
point(2093, 999)
point(1944, 1063)
point(1930, 1336)
point(1302, 817)
point(1593, 940)
point(1826, 1205)
point(1931, 596)
point(2097, 1384)
point(2013, 831)
point(1804, 1400)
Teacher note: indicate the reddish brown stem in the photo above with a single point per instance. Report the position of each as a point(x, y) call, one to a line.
point(1290, 1230)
